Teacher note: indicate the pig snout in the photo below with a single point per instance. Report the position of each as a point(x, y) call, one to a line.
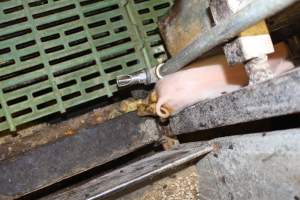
point(206, 79)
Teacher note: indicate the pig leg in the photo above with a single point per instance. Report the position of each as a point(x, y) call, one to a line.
point(206, 79)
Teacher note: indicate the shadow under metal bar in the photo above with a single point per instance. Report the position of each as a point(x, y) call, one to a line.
point(276, 97)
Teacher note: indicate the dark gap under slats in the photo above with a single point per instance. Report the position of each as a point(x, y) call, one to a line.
point(42, 92)
point(7, 63)
point(132, 63)
point(54, 11)
point(97, 24)
point(75, 68)
point(24, 84)
point(21, 72)
point(77, 42)
point(144, 11)
point(22, 112)
point(120, 29)
point(156, 43)
point(38, 3)
point(58, 22)
point(13, 9)
point(2, 119)
point(101, 10)
point(113, 69)
point(15, 34)
point(161, 6)
point(94, 88)
point(153, 32)
point(54, 49)
point(148, 21)
point(74, 30)
point(46, 104)
point(4, 50)
point(50, 37)
point(88, 2)
point(70, 57)
point(13, 22)
point(90, 76)
point(112, 82)
point(25, 44)
point(17, 100)
point(117, 18)
point(115, 56)
point(71, 96)
point(30, 56)
point(112, 44)
point(100, 35)
point(157, 55)
point(66, 84)
point(140, 1)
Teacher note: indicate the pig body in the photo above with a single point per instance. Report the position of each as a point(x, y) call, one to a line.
point(206, 79)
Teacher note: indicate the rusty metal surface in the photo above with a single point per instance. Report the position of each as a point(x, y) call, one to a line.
point(185, 20)
point(276, 97)
point(89, 147)
point(258, 167)
point(34, 136)
point(133, 174)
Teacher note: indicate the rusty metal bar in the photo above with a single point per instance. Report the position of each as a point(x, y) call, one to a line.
point(87, 148)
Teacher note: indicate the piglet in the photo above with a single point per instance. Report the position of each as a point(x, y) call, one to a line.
point(206, 79)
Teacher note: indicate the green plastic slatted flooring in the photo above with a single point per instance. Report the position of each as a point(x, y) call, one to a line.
point(56, 54)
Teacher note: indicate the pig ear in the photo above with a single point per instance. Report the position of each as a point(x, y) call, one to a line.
point(162, 111)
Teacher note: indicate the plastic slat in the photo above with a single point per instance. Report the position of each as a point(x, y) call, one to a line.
point(27, 90)
point(64, 71)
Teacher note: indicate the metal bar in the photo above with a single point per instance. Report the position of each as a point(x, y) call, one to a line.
point(134, 174)
point(256, 11)
point(66, 157)
point(276, 97)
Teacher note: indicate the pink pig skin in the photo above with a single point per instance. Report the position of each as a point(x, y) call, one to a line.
point(209, 78)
